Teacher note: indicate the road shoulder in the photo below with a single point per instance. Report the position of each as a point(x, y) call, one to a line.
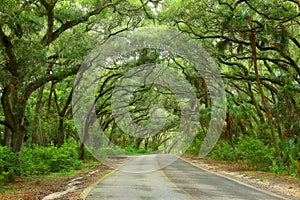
point(278, 184)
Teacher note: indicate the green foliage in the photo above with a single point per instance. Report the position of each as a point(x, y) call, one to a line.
point(108, 151)
point(38, 161)
point(222, 27)
point(223, 151)
point(254, 152)
point(287, 163)
point(248, 150)
point(7, 160)
point(136, 151)
point(194, 148)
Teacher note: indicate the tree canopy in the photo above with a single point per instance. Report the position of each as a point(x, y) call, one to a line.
point(254, 43)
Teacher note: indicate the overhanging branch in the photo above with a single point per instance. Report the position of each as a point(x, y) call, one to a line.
point(69, 24)
point(47, 78)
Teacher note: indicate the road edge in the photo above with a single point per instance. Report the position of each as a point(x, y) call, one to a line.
point(84, 194)
point(235, 180)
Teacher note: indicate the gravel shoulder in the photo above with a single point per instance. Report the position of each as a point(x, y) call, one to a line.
point(278, 184)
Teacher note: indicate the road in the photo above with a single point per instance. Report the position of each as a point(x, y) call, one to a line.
point(142, 178)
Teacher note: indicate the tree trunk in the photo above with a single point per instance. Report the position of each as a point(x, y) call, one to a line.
point(227, 129)
point(81, 152)
point(14, 112)
point(146, 143)
point(60, 132)
point(7, 137)
point(206, 96)
point(138, 142)
point(36, 115)
point(257, 107)
point(155, 143)
point(17, 140)
point(252, 39)
point(62, 113)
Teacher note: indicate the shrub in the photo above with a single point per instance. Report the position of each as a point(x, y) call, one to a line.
point(38, 161)
point(7, 162)
point(134, 150)
point(65, 159)
point(254, 153)
point(223, 151)
point(108, 151)
point(287, 163)
point(247, 150)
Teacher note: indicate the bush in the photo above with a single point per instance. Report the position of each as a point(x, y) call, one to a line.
point(223, 151)
point(194, 148)
point(287, 163)
point(108, 151)
point(34, 161)
point(138, 151)
point(254, 153)
point(38, 161)
point(247, 150)
point(7, 163)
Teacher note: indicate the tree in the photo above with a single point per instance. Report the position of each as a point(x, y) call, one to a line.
point(40, 45)
point(256, 44)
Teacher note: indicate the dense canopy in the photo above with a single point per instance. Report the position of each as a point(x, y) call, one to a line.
point(254, 43)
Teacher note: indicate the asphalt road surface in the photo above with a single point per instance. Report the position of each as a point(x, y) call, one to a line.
point(143, 177)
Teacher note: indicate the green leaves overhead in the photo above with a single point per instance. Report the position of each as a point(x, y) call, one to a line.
point(256, 44)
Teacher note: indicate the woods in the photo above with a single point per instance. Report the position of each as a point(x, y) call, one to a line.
point(255, 45)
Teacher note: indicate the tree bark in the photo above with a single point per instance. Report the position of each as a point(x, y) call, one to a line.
point(60, 132)
point(7, 137)
point(14, 112)
point(81, 152)
point(62, 114)
point(36, 115)
point(138, 142)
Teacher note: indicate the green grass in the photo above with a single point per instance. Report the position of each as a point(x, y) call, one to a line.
point(8, 189)
point(265, 178)
point(59, 174)
point(107, 172)
point(90, 163)
point(86, 166)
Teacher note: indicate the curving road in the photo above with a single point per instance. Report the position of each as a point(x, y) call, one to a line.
point(150, 177)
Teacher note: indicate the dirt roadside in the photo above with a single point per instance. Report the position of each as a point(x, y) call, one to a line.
point(58, 188)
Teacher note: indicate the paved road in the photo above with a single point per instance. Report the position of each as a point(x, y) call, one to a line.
point(141, 178)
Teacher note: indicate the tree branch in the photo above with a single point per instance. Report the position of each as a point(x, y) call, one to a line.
point(10, 53)
point(50, 13)
point(296, 42)
point(70, 24)
point(49, 77)
point(209, 36)
point(8, 114)
point(251, 78)
point(291, 61)
point(4, 123)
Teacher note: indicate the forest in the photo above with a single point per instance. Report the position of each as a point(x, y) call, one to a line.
point(254, 44)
